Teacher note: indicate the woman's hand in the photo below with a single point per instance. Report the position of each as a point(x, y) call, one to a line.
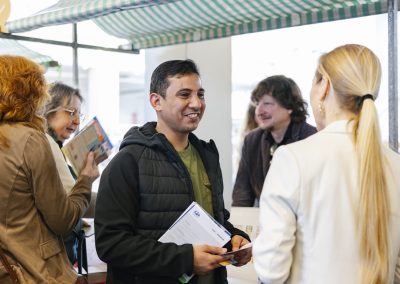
point(243, 257)
point(90, 169)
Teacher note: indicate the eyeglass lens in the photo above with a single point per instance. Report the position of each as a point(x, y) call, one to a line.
point(74, 114)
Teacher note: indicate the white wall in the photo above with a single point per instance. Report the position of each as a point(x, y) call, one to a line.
point(103, 99)
point(214, 61)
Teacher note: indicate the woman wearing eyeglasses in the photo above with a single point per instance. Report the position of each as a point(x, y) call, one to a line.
point(63, 119)
point(63, 112)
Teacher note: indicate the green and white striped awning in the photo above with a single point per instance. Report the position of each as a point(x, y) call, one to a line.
point(13, 47)
point(158, 23)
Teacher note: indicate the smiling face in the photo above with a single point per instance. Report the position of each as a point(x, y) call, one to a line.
point(61, 121)
point(182, 107)
point(271, 115)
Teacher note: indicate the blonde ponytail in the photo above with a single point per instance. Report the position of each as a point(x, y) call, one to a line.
point(374, 207)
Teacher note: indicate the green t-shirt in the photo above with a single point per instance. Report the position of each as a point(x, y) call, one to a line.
point(198, 174)
point(201, 188)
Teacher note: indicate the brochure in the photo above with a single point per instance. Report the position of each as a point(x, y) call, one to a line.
point(92, 137)
point(196, 226)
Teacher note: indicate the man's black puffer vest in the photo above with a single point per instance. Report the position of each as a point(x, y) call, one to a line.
point(165, 187)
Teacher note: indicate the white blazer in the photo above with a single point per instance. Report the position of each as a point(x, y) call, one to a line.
point(308, 233)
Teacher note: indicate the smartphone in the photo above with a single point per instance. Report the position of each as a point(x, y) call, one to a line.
point(231, 255)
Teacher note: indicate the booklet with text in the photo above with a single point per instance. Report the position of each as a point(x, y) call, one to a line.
point(196, 226)
point(92, 137)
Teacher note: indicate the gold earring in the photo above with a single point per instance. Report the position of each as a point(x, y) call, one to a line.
point(321, 108)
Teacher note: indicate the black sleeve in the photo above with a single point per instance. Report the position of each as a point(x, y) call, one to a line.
point(243, 193)
point(117, 242)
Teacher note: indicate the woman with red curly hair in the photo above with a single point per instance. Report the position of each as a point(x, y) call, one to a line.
point(35, 211)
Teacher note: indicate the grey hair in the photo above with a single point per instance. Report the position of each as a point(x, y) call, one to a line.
point(59, 93)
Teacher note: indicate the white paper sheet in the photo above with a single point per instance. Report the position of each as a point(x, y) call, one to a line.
point(196, 226)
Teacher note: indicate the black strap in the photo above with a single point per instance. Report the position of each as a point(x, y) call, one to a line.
point(82, 253)
point(7, 266)
point(360, 99)
point(367, 96)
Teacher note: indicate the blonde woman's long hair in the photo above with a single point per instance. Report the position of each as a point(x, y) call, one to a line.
point(353, 72)
point(23, 93)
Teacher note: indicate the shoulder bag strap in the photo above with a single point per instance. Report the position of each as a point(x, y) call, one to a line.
point(8, 267)
point(82, 253)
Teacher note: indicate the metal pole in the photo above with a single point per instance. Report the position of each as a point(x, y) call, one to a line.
point(70, 44)
point(393, 84)
point(75, 55)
